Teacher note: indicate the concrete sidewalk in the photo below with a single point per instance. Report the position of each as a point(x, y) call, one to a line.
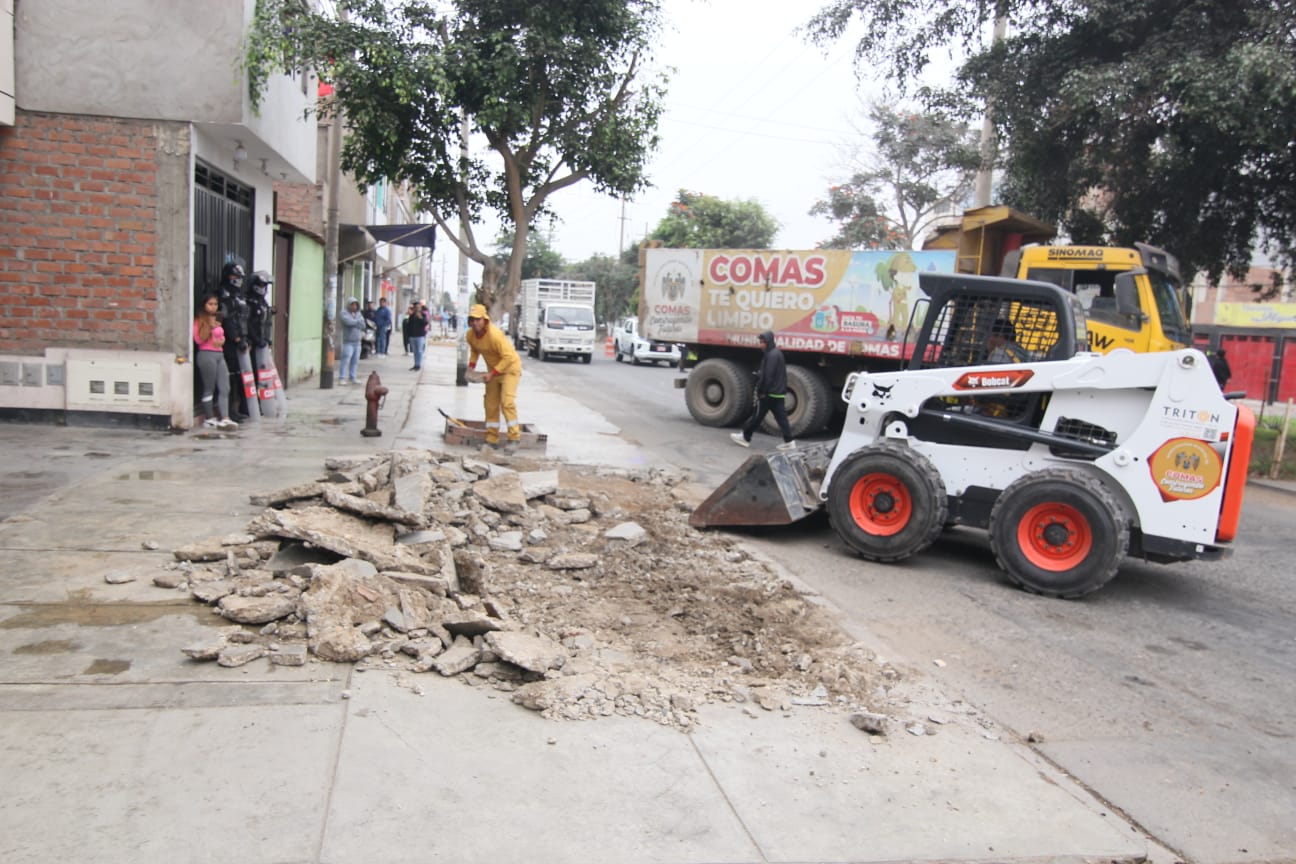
point(115, 748)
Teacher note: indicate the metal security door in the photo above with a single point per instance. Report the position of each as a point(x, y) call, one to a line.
point(222, 226)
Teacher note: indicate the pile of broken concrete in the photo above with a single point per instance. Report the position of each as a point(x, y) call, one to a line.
point(584, 593)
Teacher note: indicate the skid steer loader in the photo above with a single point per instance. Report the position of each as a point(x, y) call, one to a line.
point(1071, 461)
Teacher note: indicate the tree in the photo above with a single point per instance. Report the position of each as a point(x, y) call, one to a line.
point(921, 165)
point(540, 260)
point(554, 89)
point(697, 221)
point(1170, 122)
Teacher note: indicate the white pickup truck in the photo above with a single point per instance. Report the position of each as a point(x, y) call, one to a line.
point(627, 342)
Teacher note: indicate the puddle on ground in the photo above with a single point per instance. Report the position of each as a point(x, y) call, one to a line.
point(107, 667)
point(152, 475)
point(39, 615)
point(49, 646)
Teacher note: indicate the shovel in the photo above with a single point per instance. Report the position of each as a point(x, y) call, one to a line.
point(452, 421)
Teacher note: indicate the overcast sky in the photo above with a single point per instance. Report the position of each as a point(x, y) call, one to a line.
point(753, 111)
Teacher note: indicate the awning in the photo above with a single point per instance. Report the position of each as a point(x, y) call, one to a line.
point(404, 235)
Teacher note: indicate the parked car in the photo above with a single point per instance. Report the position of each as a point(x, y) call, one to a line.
point(627, 342)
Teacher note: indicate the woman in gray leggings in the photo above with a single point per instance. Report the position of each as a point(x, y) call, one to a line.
point(209, 336)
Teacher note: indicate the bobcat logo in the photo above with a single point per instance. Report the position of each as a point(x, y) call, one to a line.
point(882, 394)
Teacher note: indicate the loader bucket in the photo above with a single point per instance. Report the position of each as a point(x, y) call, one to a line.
point(776, 488)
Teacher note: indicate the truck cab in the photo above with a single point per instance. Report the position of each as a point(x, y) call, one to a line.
point(1133, 298)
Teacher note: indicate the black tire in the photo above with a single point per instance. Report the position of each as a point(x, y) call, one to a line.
point(887, 502)
point(1059, 532)
point(616, 351)
point(809, 403)
point(541, 354)
point(585, 358)
point(634, 361)
point(719, 392)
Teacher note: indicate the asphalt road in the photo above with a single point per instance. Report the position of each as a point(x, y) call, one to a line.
point(1170, 692)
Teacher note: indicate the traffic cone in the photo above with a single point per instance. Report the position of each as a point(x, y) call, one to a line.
point(608, 350)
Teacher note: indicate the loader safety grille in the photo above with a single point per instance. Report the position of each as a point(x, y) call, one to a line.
point(982, 329)
point(1081, 430)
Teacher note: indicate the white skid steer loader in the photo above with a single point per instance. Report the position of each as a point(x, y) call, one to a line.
point(1071, 461)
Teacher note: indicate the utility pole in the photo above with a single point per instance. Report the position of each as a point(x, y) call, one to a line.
point(621, 235)
point(463, 298)
point(331, 287)
point(985, 177)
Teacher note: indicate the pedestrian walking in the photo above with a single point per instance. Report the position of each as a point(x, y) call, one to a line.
point(771, 396)
point(383, 322)
point(503, 371)
point(353, 327)
point(1220, 366)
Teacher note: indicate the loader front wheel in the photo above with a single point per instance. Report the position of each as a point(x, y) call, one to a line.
point(887, 502)
point(1060, 533)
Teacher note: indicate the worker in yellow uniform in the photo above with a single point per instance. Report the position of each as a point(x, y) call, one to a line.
point(504, 368)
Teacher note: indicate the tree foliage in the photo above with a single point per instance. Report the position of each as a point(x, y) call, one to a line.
point(539, 261)
point(920, 165)
point(558, 91)
point(618, 284)
point(697, 221)
point(1169, 121)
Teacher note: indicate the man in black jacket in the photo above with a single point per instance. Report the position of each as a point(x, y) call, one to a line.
point(234, 314)
point(771, 396)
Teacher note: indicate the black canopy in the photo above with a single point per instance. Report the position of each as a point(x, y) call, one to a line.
point(404, 235)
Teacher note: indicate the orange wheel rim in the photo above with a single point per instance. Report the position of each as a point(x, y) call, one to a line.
point(881, 504)
point(1054, 537)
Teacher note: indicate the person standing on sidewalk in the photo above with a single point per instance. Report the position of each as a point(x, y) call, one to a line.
point(209, 336)
point(353, 326)
point(383, 321)
point(771, 396)
point(504, 370)
point(416, 331)
point(234, 314)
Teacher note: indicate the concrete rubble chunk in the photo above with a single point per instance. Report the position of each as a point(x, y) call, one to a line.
point(302, 492)
point(423, 536)
point(345, 534)
point(507, 541)
point(565, 500)
point(340, 643)
point(289, 655)
point(349, 592)
point(372, 509)
point(540, 695)
point(432, 584)
point(536, 484)
point(533, 652)
point(414, 608)
point(470, 623)
point(257, 610)
point(209, 650)
point(395, 620)
point(411, 492)
point(118, 577)
point(572, 561)
point(873, 724)
point(471, 571)
point(210, 592)
point(630, 531)
point(502, 494)
point(240, 655)
point(459, 657)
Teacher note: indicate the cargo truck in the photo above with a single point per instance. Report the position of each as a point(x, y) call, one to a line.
point(554, 318)
point(834, 312)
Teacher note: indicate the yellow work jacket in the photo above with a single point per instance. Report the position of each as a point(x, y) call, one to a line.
point(496, 348)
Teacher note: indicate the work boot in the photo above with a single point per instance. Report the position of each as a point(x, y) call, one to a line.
point(510, 447)
point(737, 438)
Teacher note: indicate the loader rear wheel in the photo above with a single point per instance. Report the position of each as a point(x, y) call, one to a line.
point(719, 392)
point(1060, 533)
point(887, 502)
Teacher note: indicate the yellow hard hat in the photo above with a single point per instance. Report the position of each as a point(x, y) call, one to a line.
point(477, 310)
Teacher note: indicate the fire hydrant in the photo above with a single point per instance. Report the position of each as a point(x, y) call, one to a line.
point(375, 393)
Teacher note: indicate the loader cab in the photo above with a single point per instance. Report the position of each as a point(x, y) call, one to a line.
point(1133, 298)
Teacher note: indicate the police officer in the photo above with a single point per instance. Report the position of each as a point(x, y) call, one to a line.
point(234, 314)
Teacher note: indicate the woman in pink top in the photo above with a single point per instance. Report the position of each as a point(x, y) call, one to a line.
point(209, 336)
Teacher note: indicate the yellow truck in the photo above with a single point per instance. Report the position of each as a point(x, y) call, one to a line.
point(1133, 297)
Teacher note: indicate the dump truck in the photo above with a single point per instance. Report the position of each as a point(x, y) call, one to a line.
point(1150, 314)
point(837, 312)
point(1071, 460)
point(833, 312)
point(554, 318)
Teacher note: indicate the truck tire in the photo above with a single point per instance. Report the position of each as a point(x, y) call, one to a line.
point(887, 502)
point(616, 351)
point(719, 392)
point(1058, 532)
point(585, 358)
point(809, 403)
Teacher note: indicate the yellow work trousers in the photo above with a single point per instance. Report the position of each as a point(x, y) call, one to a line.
point(501, 394)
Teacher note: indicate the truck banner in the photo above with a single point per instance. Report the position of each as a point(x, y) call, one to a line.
point(823, 300)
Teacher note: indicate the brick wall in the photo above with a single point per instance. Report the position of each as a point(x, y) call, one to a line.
point(78, 233)
point(301, 206)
